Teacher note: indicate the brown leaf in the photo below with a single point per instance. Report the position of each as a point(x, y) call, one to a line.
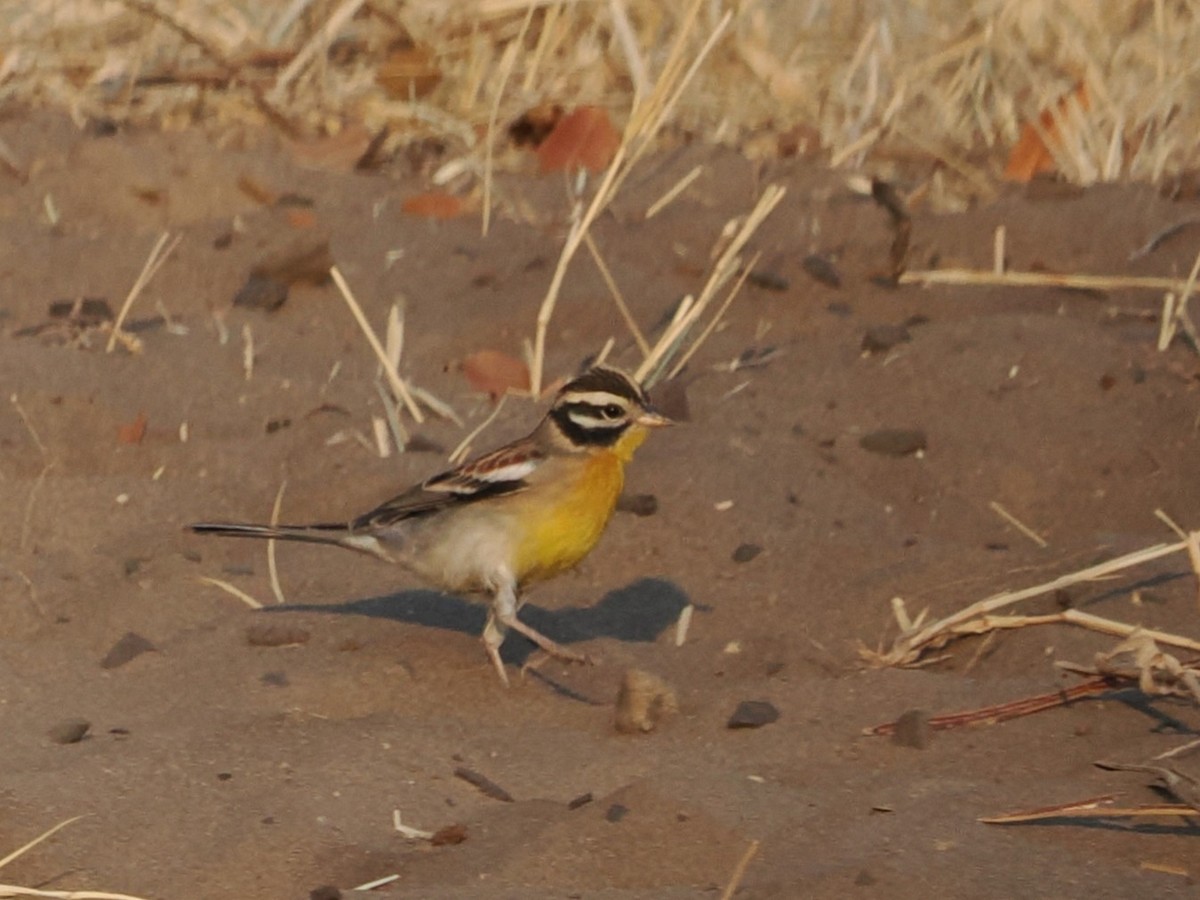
point(433, 205)
point(1031, 156)
point(132, 432)
point(496, 373)
point(584, 138)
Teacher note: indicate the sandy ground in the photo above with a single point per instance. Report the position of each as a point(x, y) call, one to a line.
point(217, 767)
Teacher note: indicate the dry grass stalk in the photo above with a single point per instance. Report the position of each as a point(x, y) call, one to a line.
point(672, 193)
point(397, 384)
point(1090, 809)
point(617, 296)
point(272, 564)
point(489, 148)
point(12, 890)
point(727, 265)
point(158, 255)
point(917, 639)
point(1018, 524)
point(645, 121)
point(977, 277)
point(231, 590)
point(739, 871)
point(459, 454)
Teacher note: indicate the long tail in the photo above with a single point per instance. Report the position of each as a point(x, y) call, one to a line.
point(337, 535)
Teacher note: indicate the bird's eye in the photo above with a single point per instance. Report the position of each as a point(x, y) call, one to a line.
point(611, 411)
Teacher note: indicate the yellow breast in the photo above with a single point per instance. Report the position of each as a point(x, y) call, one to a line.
point(566, 519)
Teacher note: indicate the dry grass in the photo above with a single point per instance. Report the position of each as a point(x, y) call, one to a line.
point(874, 79)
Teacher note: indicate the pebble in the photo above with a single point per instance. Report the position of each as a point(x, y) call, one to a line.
point(753, 714)
point(325, 892)
point(616, 813)
point(130, 646)
point(894, 441)
point(449, 835)
point(639, 504)
point(820, 269)
point(69, 731)
point(881, 338)
point(643, 700)
point(746, 552)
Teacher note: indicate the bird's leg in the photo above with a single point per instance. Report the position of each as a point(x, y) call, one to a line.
point(504, 609)
point(493, 637)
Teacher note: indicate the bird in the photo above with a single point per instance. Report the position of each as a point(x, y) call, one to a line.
point(522, 513)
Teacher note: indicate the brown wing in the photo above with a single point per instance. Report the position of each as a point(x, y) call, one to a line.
point(503, 471)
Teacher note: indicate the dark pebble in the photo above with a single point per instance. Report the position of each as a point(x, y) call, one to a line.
point(746, 552)
point(275, 678)
point(768, 280)
point(616, 813)
point(130, 645)
point(638, 504)
point(753, 714)
point(912, 729)
point(881, 338)
point(275, 634)
point(419, 443)
point(69, 731)
point(325, 892)
point(451, 834)
point(894, 441)
point(261, 292)
point(820, 269)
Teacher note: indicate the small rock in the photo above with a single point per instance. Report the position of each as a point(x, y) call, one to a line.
point(639, 504)
point(276, 634)
point(275, 678)
point(753, 714)
point(768, 280)
point(746, 552)
point(643, 700)
point(325, 892)
point(820, 269)
point(894, 441)
point(912, 729)
point(881, 338)
point(69, 731)
point(130, 646)
point(616, 813)
point(261, 292)
point(449, 835)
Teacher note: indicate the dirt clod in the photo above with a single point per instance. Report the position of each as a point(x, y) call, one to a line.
point(69, 731)
point(753, 714)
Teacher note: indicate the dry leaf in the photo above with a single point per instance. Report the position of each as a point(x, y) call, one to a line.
point(132, 432)
point(1031, 156)
point(584, 138)
point(496, 373)
point(433, 205)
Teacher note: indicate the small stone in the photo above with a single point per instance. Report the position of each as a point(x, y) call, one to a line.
point(639, 504)
point(912, 729)
point(275, 678)
point(325, 892)
point(768, 280)
point(616, 813)
point(881, 338)
point(69, 731)
point(894, 441)
point(753, 714)
point(276, 634)
point(821, 270)
point(130, 646)
point(746, 552)
point(261, 292)
point(643, 700)
point(449, 835)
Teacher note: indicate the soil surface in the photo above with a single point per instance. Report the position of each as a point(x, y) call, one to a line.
point(235, 752)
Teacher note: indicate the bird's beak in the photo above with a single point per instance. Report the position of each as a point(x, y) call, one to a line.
point(652, 418)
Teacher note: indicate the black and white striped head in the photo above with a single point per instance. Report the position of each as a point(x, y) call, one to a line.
point(600, 406)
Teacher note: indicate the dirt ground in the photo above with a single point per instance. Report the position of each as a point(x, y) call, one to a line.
point(217, 767)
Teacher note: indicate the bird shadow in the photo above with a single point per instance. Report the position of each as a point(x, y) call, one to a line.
point(638, 612)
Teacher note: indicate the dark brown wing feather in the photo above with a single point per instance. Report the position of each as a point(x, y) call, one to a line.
point(502, 471)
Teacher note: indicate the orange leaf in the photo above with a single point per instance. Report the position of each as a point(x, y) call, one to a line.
point(496, 373)
point(132, 432)
point(433, 205)
point(1031, 156)
point(584, 138)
